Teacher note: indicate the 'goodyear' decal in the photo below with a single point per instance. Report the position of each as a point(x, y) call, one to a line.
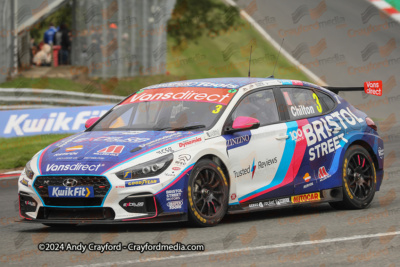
point(142, 182)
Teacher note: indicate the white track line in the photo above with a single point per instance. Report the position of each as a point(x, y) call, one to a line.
point(283, 245)
point(268, 37)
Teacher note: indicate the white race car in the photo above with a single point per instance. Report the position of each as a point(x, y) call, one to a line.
point(196, 150)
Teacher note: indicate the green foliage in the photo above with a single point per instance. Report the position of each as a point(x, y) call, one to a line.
point(62, 15)
point(191, 19)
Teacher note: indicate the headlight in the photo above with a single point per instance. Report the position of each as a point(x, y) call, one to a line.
point(147, 169)
point(28, 171)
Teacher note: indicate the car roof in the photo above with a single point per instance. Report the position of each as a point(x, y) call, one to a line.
point(233, 83)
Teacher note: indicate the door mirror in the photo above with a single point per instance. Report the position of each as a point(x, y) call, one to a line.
point(91, 121)
point(244, 123)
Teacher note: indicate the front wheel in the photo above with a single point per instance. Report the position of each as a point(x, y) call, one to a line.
point(207, 194)
point(359, 179)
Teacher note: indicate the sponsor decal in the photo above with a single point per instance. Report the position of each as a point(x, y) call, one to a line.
point(320, 131)
point(235, 141)
point(66, 158)
point(322, 174)
point(297, 135)
point(308, 185)
point(256, 205)
point(373, 88)
point(306, 198)
point(381, 152)
point(213, 95)
point(183, 159)
point(241, 172)
point(142, 182)
point(24, 182)
point(120, 186)
point(190, 142)
point(277, 202)
point(174, 205)
point(47, 121)
point(114, 150)
point(133, 204)
point(307, 177)
point(165, 150)
point(233, 196)
point(253, 168)
point(72, 167)
point(267, 162)
point(174, 194)
point(64, 191)
point(113, 139)
point(127, 175)
point(302, 110)
point(66, 154)
point(176, 168)
point(193, 84)
point(73, 148)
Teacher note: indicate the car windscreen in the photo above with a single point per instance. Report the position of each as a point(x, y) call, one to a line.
point(163, 109)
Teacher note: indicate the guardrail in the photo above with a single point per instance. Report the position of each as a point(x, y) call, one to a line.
point(14, 98)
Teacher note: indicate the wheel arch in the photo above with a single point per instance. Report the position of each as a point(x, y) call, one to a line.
point(367, 147)
point(217, 160)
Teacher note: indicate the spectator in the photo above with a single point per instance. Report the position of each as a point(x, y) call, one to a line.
point(43, 57)
point(48, 37)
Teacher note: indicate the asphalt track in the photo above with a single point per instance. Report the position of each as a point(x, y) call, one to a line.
point(307, 235)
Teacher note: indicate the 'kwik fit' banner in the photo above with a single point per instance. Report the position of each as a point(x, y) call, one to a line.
point(47, 121)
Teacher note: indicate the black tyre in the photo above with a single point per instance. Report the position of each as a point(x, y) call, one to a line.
point(207, 194)
point(359, 179)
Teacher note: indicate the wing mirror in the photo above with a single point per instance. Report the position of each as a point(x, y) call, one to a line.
point(243, 123)
point(91, 121)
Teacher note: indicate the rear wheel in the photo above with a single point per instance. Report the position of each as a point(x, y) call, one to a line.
point(207, 194)
point(359, 179)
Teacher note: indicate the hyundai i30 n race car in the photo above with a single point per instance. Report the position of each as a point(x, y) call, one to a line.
point(199, 149)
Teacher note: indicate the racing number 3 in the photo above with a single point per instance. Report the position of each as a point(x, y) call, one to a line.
point(319, 108)
point(217, 109)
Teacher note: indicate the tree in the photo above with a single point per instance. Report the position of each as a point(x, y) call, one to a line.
point(191, 19)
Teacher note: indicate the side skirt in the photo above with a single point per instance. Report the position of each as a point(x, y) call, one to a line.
point(327, 195)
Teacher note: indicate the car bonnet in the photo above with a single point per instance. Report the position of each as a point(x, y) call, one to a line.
point(98, 152)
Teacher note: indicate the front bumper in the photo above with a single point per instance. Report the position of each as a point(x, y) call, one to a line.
point(111, 202)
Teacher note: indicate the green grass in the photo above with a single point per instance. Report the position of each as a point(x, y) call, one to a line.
point(43, 83)
point(16, 152)
point(206, 58)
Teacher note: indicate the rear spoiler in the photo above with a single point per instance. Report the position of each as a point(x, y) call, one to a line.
point(336, 90)
point(372, 88)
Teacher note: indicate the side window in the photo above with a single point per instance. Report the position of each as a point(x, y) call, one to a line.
point(302, 103)
point(330, 104)
point(260, 105)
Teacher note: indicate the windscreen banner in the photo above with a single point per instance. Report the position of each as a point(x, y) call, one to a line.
point(14, 123)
